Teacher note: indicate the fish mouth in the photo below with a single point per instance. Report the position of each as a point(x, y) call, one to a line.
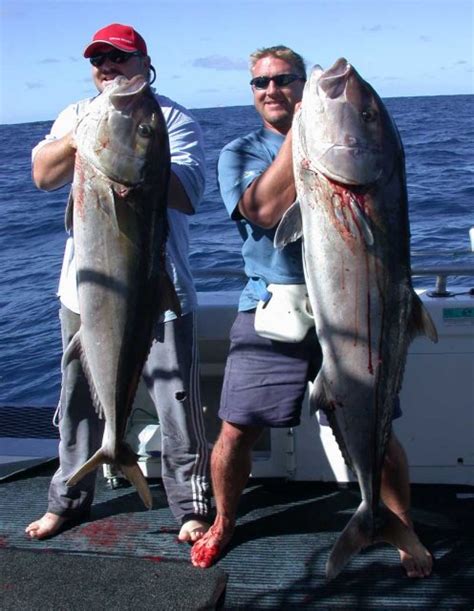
point(349, 164)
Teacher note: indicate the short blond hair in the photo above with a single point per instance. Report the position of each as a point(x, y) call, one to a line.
point(280, 52)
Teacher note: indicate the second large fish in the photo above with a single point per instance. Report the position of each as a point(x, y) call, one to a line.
point(119, 198)
point(352, 214)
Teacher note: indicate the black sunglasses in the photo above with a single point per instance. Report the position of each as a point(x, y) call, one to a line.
point(115, 56)
point(280, 80)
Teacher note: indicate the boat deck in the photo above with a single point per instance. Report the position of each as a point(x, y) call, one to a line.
point(125, 556)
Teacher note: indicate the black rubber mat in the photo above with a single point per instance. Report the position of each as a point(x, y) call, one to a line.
point(277, 557)
point(76, 582)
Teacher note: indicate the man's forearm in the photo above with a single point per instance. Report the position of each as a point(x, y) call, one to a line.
point(177, 196)
point(267, 198)
point(53, 165)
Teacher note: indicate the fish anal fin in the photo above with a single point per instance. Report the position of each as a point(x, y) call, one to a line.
point(320, 399)
point(73, 350)
point(290, 227)
point(420, 321)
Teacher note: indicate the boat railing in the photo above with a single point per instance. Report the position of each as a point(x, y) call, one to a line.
point(441, 272)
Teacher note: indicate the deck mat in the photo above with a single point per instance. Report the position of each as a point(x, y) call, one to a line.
point(85, 582)
point(276, 559)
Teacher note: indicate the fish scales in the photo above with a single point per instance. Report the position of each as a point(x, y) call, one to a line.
point(352, 214)
point(119, 199)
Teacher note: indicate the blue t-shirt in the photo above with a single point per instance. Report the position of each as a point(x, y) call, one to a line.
point(240, 163)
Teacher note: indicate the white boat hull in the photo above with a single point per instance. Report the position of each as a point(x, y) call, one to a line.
point(437, 400)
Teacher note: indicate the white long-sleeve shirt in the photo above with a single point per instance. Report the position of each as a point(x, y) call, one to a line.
point(187, 163)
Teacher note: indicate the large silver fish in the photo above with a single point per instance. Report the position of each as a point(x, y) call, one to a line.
point(119, 199)
point(353, 216)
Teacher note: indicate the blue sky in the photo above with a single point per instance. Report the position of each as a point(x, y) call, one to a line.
point(200, 48)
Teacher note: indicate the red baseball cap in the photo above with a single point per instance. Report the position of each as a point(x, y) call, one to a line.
point(122, 37)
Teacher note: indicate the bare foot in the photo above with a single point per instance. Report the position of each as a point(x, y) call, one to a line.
point(192, 530)
point(209, 548)
point(47, 526)
point(420, 565)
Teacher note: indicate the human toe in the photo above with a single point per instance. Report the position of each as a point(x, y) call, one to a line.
point(193, 530)
point(46, 526)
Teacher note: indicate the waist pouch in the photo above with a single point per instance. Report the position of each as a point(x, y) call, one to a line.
point(285, 315)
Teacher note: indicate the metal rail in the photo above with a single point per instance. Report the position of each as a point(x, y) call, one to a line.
point(440, 272)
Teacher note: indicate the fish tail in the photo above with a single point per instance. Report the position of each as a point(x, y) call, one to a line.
point(130, 470)
point(135, 476)
point(98, 459)
point(364, 529)
point(356, 535)
point(395, 532)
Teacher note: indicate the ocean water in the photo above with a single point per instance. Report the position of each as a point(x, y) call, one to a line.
point(438, 136)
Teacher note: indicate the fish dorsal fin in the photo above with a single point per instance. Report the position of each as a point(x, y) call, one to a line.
point(362, 222)
point(290, 227)
point(420, 322)
point(69, 213)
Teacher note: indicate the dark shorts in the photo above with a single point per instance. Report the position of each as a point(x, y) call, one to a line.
point(265, 381)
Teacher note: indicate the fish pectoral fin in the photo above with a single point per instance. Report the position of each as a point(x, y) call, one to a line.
point(356, 535)
point(420, 322)
point(73, 350)
point(135, 476)
point(290, 227)
point(109, 201)
point(69, 213)
point(363, 222)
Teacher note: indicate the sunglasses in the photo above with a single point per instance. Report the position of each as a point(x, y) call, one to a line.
point(280, 80)
point(115, 56)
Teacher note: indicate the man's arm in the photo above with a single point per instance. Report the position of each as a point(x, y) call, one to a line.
point(273, 192)
point(177, 196)
point(188, 165)
point(53, 164)
point(53, 167)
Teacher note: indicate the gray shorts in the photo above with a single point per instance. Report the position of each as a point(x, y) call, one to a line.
point(265, 381)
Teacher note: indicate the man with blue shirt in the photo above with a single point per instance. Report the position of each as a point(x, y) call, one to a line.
point(171, 372)
point(265, 381)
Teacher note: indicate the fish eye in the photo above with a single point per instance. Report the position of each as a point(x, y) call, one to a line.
point(368, 115)
point(145, 130)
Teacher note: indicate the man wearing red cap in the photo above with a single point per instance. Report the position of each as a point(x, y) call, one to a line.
point(119, 50)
